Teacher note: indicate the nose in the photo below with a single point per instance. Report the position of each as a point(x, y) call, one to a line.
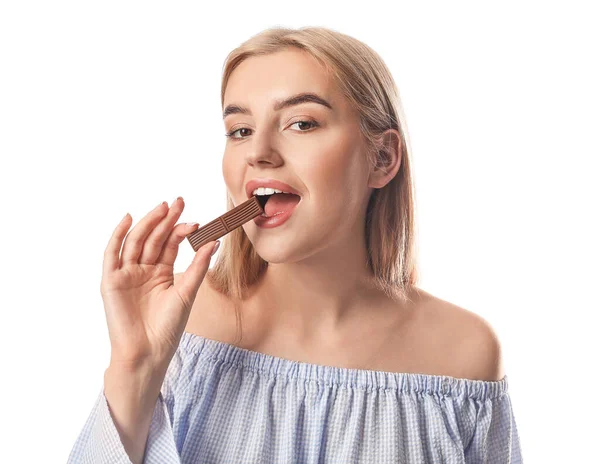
point(261, 150)
point(263, 157)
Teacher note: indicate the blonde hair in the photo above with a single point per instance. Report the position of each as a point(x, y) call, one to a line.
point(366, 82)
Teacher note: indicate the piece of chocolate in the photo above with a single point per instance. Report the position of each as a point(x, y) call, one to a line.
point(230, 220)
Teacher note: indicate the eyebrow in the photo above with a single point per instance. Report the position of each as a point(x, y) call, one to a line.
point(298, 99)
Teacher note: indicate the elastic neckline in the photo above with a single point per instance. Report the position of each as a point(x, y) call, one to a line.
point(341, 377)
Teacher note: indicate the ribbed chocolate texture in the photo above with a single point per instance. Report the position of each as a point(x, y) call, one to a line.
point(224, 224)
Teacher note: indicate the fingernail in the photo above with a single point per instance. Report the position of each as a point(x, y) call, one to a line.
point(191, 224)
point(215, 248)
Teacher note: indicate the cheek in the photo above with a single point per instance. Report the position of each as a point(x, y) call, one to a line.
point(232, 184)
point(335, 175)
point(338, 163)
point(226, 170)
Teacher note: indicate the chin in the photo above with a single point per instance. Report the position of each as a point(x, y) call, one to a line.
point(274, 254)
point(275, 251)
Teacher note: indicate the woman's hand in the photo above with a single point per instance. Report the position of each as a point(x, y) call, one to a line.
point(145, 312)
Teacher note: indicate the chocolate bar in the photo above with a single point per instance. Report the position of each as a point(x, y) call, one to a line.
point(229, 221)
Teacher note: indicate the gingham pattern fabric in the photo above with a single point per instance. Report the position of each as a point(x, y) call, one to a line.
point(223, 404)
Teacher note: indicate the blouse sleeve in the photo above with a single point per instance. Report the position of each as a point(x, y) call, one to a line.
point(99, 441)
point(495, 439)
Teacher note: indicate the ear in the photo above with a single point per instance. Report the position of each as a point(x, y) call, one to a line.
point(388, 159)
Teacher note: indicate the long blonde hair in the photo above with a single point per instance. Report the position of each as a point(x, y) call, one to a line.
point(366, 82)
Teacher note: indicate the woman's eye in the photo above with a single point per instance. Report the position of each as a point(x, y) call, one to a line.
point(312, 124)
point(230, 134)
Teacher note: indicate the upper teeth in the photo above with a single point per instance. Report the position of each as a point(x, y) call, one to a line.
point(266, 191)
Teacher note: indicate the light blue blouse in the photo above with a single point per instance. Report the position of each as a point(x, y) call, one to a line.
point(223, 404)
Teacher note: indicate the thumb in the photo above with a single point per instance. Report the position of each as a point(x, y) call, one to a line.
point(194, 275)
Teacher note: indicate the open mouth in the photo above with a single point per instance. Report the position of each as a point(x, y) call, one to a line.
point(262, 199)
point(278, 203)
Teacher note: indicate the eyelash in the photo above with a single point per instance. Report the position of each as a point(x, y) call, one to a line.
point(230, 134)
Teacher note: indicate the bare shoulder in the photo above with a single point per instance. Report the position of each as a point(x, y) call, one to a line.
point(469, 339)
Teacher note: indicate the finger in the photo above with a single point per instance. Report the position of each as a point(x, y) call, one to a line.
point(171, 246)
point(111, 253)
point(190, 282)
point(153, 244)
point(134, 241)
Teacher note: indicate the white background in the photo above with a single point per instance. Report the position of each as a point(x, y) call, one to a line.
point(112, 107)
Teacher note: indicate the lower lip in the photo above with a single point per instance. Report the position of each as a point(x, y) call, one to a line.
point(276, 220)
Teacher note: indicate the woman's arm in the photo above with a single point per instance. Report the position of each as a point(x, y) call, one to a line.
point(131, 394)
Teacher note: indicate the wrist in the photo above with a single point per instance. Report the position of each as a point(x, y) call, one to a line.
point(132, 391)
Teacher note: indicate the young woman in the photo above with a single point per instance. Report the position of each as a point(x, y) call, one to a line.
point(309, 340)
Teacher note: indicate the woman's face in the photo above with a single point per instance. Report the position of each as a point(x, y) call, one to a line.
point(325, 162)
